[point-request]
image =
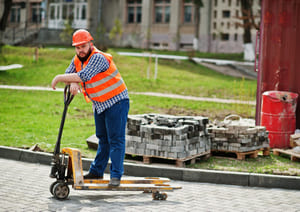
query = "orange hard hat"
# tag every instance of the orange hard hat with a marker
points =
(80, 37)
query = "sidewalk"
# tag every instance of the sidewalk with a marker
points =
(174, 96)
(25, 187)
(183, 174)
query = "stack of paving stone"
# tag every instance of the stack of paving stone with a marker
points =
(237, 137)
(167, 136)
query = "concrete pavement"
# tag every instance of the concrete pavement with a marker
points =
(173, 96)
(183, 174)
(25, 187)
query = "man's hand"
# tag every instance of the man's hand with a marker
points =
(54, 82)
(74, 88)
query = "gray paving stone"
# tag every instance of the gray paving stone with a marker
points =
(25, 187)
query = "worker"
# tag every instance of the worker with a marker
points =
(102, 84)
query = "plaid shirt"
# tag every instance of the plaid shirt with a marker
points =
(97, 64)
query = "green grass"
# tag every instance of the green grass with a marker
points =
(262, 164)
(181, 77)
(33, 117)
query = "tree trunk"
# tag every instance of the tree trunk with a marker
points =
(246, 7)
(197, 20)
(198, 4)
(6, 4)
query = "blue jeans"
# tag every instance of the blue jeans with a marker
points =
(110, 130)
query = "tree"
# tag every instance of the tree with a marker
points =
(66, 34)
(198, 4)
(116, 32)
(100, 37)
(248, 23)
(4, 12)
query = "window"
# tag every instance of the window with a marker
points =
(15, 15)
(162, 11)
(134, 11)
(139, 14)
(216, 3)
(235, 36)
(237, 3)
(226, 13)
(215, 14)
(215, 25)
(77, 12)
(228, 25)
(64, 12)
(83, 12)
(188, 11)
(224, 36)
(36, 12)
(68, 11)
(71, 10)
(36, 15)
(52, 12)
(80, 11)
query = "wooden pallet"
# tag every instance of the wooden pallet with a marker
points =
(243, 155)
(293, 156)
(179, 162)
(266, 151)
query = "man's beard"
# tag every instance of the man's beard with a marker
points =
(83, 59)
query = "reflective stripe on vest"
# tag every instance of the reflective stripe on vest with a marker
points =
(104, 85)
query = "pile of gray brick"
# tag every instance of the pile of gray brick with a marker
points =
(166, 136)
(238, 138)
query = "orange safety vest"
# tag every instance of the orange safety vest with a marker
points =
(104, 85)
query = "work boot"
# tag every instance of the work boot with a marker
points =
(114, 182)
(92, 176)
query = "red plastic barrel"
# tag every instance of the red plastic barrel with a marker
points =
(278, 116)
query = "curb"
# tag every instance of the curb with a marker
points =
(182, 174)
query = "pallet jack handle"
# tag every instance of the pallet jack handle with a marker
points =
(58, 169)
(68, 97)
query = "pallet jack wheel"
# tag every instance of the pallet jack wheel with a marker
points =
(52, 186)
(61, 191)
(164, 196)
(159, 196)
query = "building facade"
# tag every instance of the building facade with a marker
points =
(25, 19)
(226, 30)
(170, 24)
(154, 24)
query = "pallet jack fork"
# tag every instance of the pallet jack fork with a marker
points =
(67, 169)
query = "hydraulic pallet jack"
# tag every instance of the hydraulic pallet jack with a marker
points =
(67, 169)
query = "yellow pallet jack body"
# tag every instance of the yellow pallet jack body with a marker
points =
(67, 169)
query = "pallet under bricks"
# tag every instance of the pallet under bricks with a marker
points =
(165, 136)
(238, 138)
